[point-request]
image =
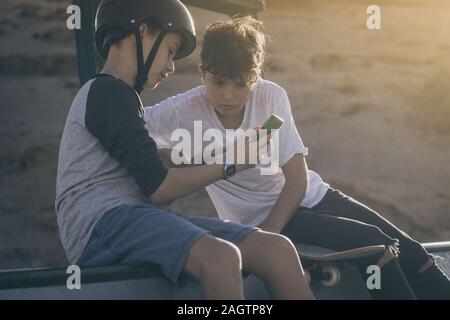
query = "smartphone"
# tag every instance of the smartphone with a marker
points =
(274, 122)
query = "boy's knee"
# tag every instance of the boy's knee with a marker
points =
(217, 258)
(225, 254)
(374, 236)
(278, 245)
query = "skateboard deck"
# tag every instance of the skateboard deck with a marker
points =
(313, 253)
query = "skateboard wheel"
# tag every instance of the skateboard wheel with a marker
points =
(333, 276)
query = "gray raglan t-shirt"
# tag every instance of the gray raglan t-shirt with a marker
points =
(106, 159)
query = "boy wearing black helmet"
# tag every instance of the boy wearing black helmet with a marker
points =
(111, 180)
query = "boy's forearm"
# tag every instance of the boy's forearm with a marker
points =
(166, 158)
(287, 203)
(180, 182)
(296, 184)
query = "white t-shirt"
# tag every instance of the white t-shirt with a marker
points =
(247, 197)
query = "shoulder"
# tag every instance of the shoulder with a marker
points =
(271, 97)
(106, 81)
(268, 89)
(111, 102)
(109, 89)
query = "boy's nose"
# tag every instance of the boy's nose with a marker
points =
(228, 92)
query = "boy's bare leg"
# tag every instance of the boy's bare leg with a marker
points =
(217, 265)
(274, 258)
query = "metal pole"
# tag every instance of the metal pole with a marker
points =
(88, 60)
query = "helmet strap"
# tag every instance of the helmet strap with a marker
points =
(144, 68)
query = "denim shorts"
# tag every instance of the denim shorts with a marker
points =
(146, 233)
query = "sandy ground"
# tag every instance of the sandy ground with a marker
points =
(372, 106)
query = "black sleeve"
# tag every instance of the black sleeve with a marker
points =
(114, 115)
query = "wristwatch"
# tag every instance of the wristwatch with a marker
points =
(229, 170)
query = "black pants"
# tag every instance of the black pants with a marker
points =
(339, 223)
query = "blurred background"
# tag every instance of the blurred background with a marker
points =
(372, 106)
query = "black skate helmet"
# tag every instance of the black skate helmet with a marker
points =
(116, 19)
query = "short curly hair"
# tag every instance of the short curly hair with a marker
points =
(234, 49)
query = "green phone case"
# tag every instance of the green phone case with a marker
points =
(274, 122)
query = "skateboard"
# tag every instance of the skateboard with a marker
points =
(327, 266)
